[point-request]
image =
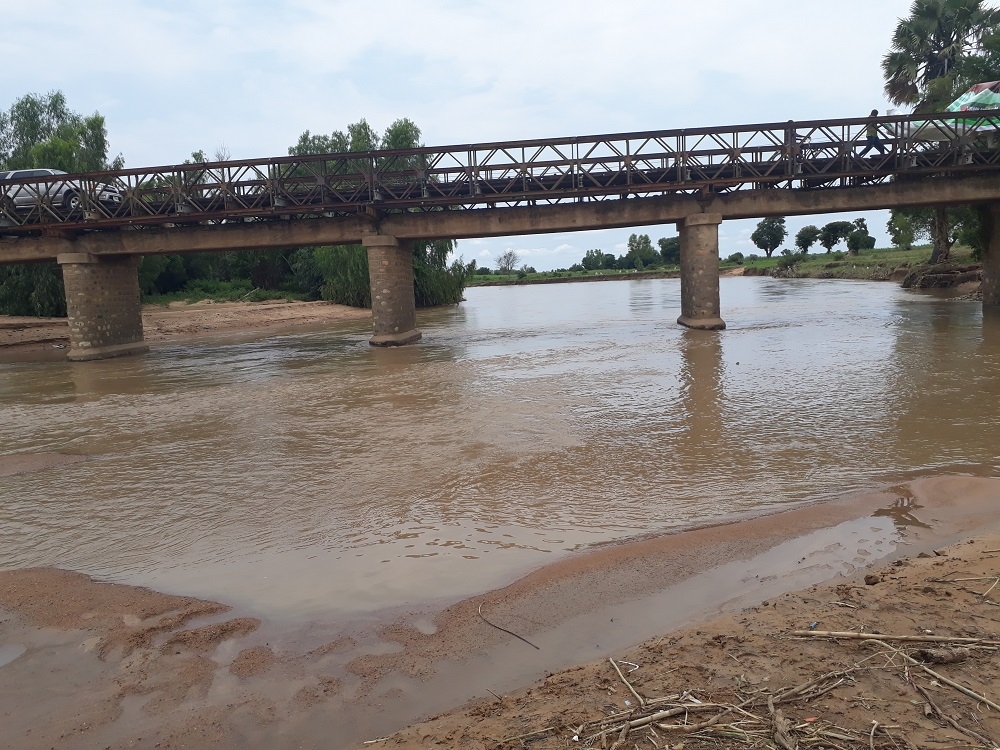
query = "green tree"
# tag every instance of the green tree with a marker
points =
(929, 47)
(806, 237)
(593, 260)
(42, 131)
(641, 252)
(859, 240)
(903, 229)
(834, 232)
(938, 50)
(769, 234)
(32, 289)
(670, 250)
(344, 269)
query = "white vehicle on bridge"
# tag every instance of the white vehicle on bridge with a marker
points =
(68, 196)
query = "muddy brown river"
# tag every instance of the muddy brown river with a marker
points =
(310, 475)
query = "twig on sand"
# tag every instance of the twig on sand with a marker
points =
(945, 717)
(940, 678)
(782, 727)
(883, 637)
(642, 701)
(529, 735)
(508, 632)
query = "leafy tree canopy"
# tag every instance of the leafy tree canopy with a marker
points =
(937, 49)
(834, 232)
(640, 251)
(670, 250)
(593, 260)
(42, 131)
(769, 234)
(806, 237)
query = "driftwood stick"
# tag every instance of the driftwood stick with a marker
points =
(790, 693)
(529, 735)
(697, 727)
(939, 677)
(942, 715)
(882, 637)
(508, 632)
(782, 735)
(642, 701)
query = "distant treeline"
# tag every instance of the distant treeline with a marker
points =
(41, 131)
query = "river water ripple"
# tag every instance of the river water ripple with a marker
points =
(311, 474)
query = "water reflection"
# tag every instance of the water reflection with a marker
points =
(701, 390)
(902, 509)
(311, 472)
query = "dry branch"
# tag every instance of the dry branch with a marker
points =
(642, 701)
(883, 637)
(939, 677)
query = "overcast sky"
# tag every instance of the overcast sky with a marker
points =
(251, 75)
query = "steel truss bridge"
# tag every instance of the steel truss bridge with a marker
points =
(697, 162)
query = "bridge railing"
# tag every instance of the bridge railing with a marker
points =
(782, 155)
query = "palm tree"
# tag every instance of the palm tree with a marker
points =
(928, 44)
(924, 64)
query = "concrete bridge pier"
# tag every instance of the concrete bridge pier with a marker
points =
(102, 301)
(989, 217)
(699, 234)
(394, 311)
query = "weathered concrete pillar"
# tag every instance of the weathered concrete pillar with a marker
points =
(102, 300)
(989, 218)
(390, 269)
(699, 235)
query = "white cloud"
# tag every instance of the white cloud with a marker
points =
(173, 78)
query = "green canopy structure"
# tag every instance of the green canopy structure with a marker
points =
(980, 96)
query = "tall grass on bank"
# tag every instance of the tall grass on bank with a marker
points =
(345, 272)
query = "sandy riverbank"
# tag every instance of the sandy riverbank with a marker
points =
(87, 664)
(179, 320)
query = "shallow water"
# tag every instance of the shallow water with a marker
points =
(312, 474)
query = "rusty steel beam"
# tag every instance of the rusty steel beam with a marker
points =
(329, 196)
(510, 221)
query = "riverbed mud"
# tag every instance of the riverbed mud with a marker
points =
(102, 665)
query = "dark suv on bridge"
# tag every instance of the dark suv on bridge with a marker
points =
(62, 194)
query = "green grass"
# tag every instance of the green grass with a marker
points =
(868, 264)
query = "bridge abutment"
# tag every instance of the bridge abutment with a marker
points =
(699, 235)
(102, 302)
(390, 271)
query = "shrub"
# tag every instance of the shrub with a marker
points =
(789, 259)
(735, 258)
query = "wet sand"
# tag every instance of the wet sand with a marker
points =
(89, 664)
(30, 338)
